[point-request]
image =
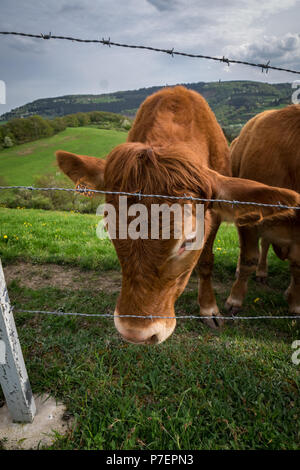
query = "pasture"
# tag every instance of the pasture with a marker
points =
(21, 164)
(236, 388)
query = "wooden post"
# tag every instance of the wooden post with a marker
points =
(13, 375)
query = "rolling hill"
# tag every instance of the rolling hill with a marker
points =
(234, 102)
(21, 164)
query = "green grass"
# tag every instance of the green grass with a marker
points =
(54, 237)
(21, 164)
(232, 389)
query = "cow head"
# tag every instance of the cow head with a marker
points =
(156, 270)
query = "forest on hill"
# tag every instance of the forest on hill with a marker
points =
(234, 102)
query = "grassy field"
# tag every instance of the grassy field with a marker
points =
(20, 165)
(231, 389)
(54, 237)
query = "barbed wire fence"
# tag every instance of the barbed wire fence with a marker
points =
(139, 195)
(172, 52)
(160, 196)
(154, 317)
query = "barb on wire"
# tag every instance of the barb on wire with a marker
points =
(109, 43)
(226, 60)
(265, 67)
(161, 196)
(152, 317)
(106, 42)
(46, 36)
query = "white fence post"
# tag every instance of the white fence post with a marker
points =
(13, 375)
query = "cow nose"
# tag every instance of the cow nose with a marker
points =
(152, 332)
(154, 339)
(140, 337)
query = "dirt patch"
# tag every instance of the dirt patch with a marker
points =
(217, 286)
(37, 276)
(26, 151)
(29, 150)
(68, 137)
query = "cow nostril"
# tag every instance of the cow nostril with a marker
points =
(152, 340)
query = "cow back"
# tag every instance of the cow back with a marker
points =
(267, 149)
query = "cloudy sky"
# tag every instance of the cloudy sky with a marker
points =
(254, 30)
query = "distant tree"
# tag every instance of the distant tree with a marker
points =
(8, 142)
(58, 124)
(83, 119)
(95, 116)
(71, 120)
(40, 127)
(126, 124)
(2, 135)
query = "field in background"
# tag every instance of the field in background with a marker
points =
(21, 164)
(231, 389)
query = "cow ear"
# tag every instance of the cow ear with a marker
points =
(84, 171)
(243, 190)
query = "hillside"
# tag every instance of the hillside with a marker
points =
(234, 102)
(21, 164)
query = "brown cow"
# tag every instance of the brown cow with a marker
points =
(267, 150)
(175, 147)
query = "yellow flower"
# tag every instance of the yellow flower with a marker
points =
(256, 300)
(4, 236)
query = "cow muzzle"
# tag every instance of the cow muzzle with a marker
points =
(144, 330)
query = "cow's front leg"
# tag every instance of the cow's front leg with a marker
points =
(293, 291)
(247, 264)
(262, 267)
(206, 296)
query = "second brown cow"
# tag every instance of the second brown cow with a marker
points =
(267, 150)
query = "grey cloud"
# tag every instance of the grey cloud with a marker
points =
(285, 49)
(35, 68)
(69, 9)
(25, 45)
(164, 5)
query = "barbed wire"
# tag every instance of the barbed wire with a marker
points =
(161, 196)
(153, 317)
(107, 42)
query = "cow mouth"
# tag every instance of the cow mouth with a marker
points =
(154, 339)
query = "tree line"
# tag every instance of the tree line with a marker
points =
(22, 130)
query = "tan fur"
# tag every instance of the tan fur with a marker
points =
(267, 150)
